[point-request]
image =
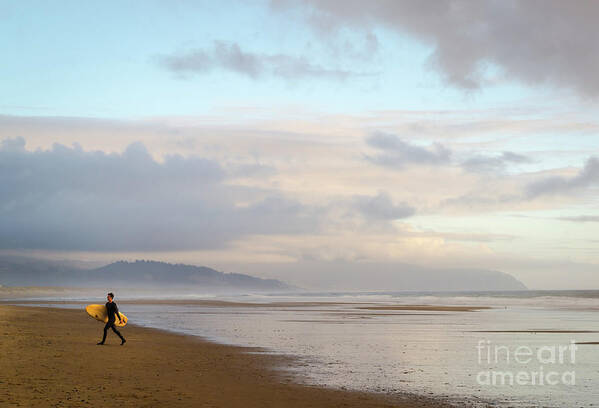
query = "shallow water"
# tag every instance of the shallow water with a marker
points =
(428, 352)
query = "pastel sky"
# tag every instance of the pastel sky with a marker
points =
(250, 136)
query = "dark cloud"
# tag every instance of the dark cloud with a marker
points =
(394, 152)
(381, 207)
(535, 41)
(232, 58)
(491, 164)
(66, 198)
(587, 176)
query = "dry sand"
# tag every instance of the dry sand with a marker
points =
(49, 358)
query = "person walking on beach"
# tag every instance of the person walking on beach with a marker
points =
(113, 313)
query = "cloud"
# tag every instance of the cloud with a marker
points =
(307, 166)
(581, 218)
(394, 152)
(381, 207)
(491, 164)
(586, 177)
(69, 199)
(490, 194)
(574, 218)
(232, 58)
(65, 198)
(483, 200)
(14, 145)
(535, 42)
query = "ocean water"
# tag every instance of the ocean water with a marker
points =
(522, 352)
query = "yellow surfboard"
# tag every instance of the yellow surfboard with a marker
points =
(99, 312)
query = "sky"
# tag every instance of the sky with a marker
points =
(257, 136)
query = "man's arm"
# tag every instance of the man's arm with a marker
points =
(116, 312)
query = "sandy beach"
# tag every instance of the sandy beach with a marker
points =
(49, 358)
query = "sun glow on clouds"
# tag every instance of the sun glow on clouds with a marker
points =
(335, 202)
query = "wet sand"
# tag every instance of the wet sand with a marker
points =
(431, 308)
(49, 358)
(281, 305)
(534, 331)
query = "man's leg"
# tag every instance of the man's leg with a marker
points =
(118, 333)
(105, 332)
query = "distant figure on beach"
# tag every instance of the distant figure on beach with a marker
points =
(113, 312)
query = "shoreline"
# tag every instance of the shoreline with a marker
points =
(50, 358)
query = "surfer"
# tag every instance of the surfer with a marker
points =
(113, 312)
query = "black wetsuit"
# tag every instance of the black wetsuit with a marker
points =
(113, 312)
